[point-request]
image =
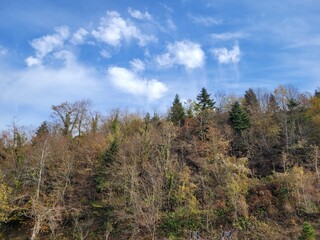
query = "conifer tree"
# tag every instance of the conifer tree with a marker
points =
(177, 113)
(112, 151)
(238, 118)
(204, 101)
(317, 93)
(251, 102)
(272, 104)
(43, 129)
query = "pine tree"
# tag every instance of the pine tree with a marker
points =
(204, 101)
(272, 104)
(112, 151)
(251, 102)
(177, 114)
(43, 129)
(238, 118)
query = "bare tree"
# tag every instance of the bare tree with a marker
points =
(72, 116)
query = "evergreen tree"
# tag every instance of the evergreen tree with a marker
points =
(317, 93)
(238, 118)
(251, 102)
(204, 101)
(112, 151)
(43, 129)
(292, 104)
(177, 113)
(308, 232)
(272, 104)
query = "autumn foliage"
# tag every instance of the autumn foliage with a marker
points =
(249, 167)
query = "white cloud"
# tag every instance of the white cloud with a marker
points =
(129, 82)
(171, 25)
(224, 55)
(206, 21)
(79, 36)
(113, 29)
(3, 51)
(137, 65)
(305, 42)
(167, 27)
(46, 44)
(63, 31)
(66, 55)
(40, 86)
(105, 54)
(32, 61)
(185, 53)
(228, 35)
(139, 15)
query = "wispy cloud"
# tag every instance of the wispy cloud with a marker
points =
(79, 36)
(105, 54)
(46, 44)
(3, 51)
(305, 42)
(113, 29)
(185, 53)
(225, 56)
(228, 36)
(30, 87)
(171, 25)
(137, 65)
(130, 82)
(66, 56)
(206, 21)
(139, 15)
(32, 61)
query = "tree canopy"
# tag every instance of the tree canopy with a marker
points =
(238, 118)
(204, 102)
(177, 113)
(86, 175)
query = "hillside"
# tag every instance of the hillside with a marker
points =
(248, 165)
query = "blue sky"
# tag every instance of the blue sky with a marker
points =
(137, 54)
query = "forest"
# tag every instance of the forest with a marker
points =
(215, 165)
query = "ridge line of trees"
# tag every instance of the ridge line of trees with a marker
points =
(247, 165)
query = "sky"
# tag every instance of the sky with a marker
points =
(137, 54)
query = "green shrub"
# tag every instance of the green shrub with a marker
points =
(308, 232)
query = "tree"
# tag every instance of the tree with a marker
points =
(71, 116)
(177, 113)
(308, 232)
(272, 104)
(238, 118)
(4, 200)
(204, 101)
(317, 93)
(251, 102)
(43, 129)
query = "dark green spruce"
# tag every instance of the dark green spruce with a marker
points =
(239, 118)
(177, 113)
(204, 102)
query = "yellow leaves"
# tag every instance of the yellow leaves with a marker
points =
(297, 171)
(314, 108)
(281, 90)
(237, 183)
(185, 193)
(4, 200)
